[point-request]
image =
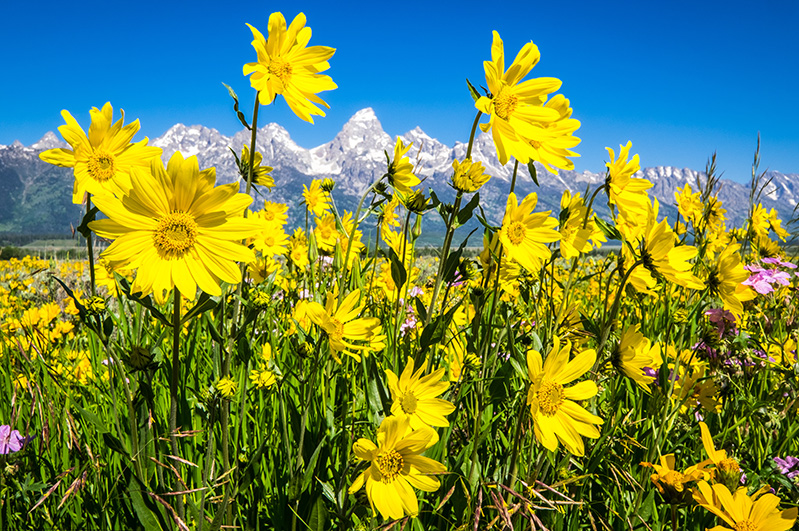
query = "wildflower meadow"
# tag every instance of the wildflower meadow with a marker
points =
(209, 366)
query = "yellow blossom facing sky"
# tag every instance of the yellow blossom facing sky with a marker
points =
(287, 66)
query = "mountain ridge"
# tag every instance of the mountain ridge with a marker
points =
(355, 159)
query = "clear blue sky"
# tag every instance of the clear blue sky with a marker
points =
(679, 78)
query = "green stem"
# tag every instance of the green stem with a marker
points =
(173, 390)
(90, 249)
(355, 223)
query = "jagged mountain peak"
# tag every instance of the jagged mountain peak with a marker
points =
(364, 115)
(49, 141)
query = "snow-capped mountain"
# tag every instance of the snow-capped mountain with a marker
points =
(355, 158)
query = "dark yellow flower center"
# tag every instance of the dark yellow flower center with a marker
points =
(505, 104)
(408, 403)
(336, 329)
(673, 479)
(746, 525)
(269, 240)
(516, 232)
(269, 215)
(729, 466)
(280, 69)
(175, 234)
(101, 165)
(550, 397)
(568, 232)
(390, 465)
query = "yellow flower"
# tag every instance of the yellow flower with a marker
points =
(515, 108)
(636, 357)
(326, 232)
(758, 222)
(724, 281)
(655, 246)
(261, 175)
(102, 161)
(274, 213)
(415, 395)
(396, 466)
(287, 66)
(524, 234)
(226, 387)
(670, 482)
(727, 470)
(574, 237)
(775, 223)
(468, 176)
(688, 204)
(400, 171)
(176, 229)
(315, 199)
(551, 145)
(741, 512)
(342, 324)
(624, 191)
(271, 241)
(556, 418)
(262, 378)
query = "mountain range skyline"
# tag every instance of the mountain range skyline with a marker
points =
(355, 159)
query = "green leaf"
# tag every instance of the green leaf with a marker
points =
(78, 304)
(87, 415)
(610, 231)
(83, 228)
(204, 303)
(240, 114)
(147, 301)
(115, 444)
(398, 273)
(473, 91)
(310, 466)
(318, 517)
(465, 213)
(421, 311)
(533, 172)
(213, 331)
(145, 513)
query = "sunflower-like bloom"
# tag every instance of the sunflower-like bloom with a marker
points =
(176, 229)
(727, 470)
(261, 174)
(524, 234)
(556, 418)
(516, 108)
(725, 280)
(689, 203)
(342, 324)
(396, 466)
(102, 161)
(624, 191)
(553, 142)
(415, 395)
(655, 246)
(287, 66)
(672, 484)
(759, 512)
(574, 232)
(468, 176)
(400, 170)
(316, 200)
(636, 357)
